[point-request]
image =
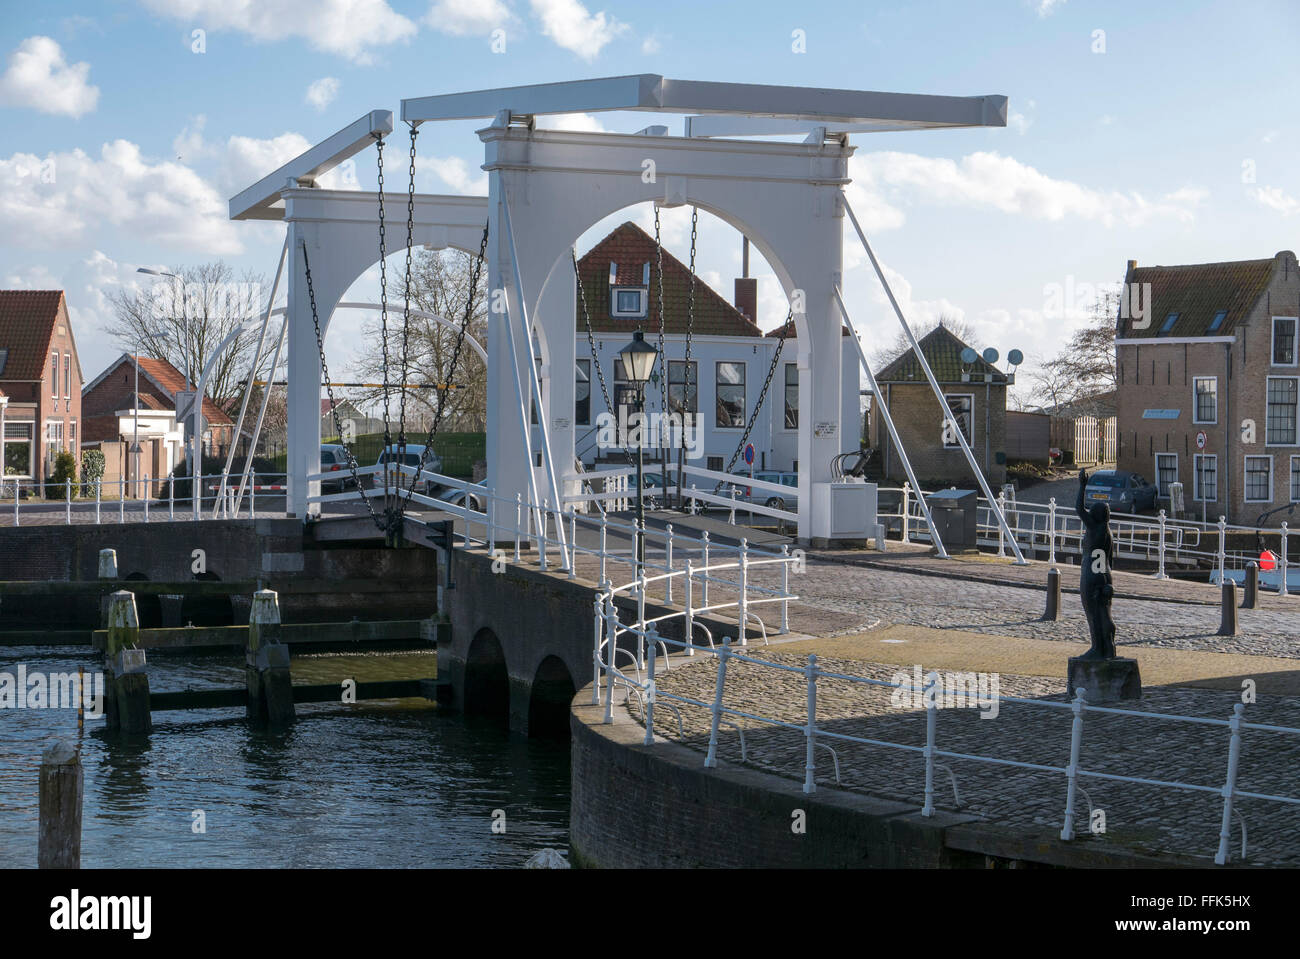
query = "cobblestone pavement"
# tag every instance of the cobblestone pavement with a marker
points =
(1147, 818)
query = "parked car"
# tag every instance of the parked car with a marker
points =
(334, 459)
(411, 457)
(785, 501)
(457, 497)
(1122, 490)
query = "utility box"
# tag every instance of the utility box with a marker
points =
(954, 514)
(850, 508)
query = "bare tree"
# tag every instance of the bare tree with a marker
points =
(184, 321)
(1076, 378)
(440, 283)
(900, 345)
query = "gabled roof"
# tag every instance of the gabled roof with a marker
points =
(942, 350)
(27, 320)
(1197, 292)
(630, 248)
(164, 377)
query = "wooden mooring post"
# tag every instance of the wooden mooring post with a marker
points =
(1250, 595)
(1228, 618)
(127, 708)
(62, 785)
(270, 687)
(107, 571)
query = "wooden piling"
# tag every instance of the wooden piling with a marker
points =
(107, 571)
(62, 783)
(1228, 622)
(127, 684)
(266, 664)
(1250, 595)
(1053, 611)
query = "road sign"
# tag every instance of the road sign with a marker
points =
(1200, 439)
(749, 454)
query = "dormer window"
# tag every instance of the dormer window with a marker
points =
(1217, 321)
(628, 301)
(1168, 324)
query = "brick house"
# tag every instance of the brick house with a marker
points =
(976, 396)
(40, 378)
(730, 356)
(1217, 355)
(109, 406)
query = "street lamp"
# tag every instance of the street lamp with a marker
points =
(196, 406)
(638, 362)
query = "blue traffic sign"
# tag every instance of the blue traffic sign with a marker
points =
(749, 454)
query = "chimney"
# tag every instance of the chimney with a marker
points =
(747, 297)
(1132, 265)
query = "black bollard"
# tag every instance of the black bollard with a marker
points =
(1053, 611)
(1250, 595)
(1228, 624)
(62, 785)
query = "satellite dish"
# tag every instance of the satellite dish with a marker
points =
(1015, 357)
(968, 356)
(990, 355)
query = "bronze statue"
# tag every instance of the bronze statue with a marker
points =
(1095, 585)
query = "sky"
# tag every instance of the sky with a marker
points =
(1156, 131)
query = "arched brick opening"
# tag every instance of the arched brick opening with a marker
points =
(207, 610)
(487, 682)
(548, 705)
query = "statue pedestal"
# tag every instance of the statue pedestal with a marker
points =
(1105, 680)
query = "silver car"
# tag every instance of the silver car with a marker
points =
(784, 501)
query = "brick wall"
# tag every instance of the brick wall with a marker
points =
(1156, 375)
(919, 419)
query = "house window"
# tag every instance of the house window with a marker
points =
(1217, 322)
(627, 301)
(791, 396)
(730, 395)
(713, 463)
(67, 375)
(1284, 341)
(683, 388)
(1206, 479)
(1205, 391)
(1295, 479)
(18, 448)
(1166, 472)
(4, 358)
(1280, 423)
(582, 394)
(1168, 324)
(960, 406)
(1259, 479)
(54, 375)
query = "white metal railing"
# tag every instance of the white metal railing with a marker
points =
(649, 693)
(144, 499)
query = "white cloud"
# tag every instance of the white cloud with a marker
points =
(580, 122)
(1047, 7)
(189, 145)
(349, 28)
(468, 17)
(1269, 137)
(165, 201)
(40, 78)
(651, 45)
(321, 93)
(1277, 199)
(572, 26)
(456, 173)
(990, 180)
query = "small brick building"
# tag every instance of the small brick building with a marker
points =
(976, 395)
(1214, 351)
(40, 378)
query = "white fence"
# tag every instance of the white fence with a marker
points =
(608, 629)
(121, 501)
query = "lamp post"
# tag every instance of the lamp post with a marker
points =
(638, 362)
(196, 406)
(135, 438)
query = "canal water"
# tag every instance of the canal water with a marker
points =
(376, 784)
